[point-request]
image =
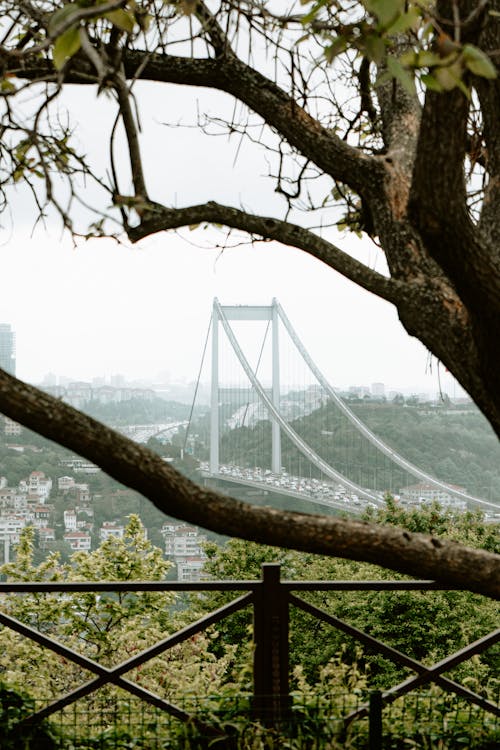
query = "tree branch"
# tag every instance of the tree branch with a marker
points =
(227, 73)
(450, 236)
(159, 218)
(142, 470)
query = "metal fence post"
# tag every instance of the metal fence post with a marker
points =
(271, 699)
(375, 721)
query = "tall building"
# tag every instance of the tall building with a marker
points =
(7, 348)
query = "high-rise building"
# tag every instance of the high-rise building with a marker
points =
(7, 348)
(378, 390)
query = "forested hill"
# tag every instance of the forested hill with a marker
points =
(454, 444)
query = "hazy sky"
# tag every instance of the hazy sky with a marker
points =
(141, 310)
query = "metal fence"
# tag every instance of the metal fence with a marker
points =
(270, 705)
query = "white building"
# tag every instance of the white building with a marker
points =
(378, 390)
(415, 494)
(65, 483)
(79, 541)
(190, 569)
(70, 520)
(11, 527)
(11, 428)
(40, 515)
(183, 544)
(182, 541)
(37, 484)
(111, 529)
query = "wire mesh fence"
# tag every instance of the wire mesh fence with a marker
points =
(424, 719)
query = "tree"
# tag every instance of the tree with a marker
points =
(106, 627)
(392, 105)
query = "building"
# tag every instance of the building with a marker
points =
(184, 546)
(79, 541)
(378, 390)
(415, 494)
(190, 569)
(82, 494)
(11, 527)
(79, 465)
(182, 541)
(46, 536)
(11, 428)
(70, 520)
(36, 485)
(40, 516)
(65, 483)
(111, 529)
(7, 348)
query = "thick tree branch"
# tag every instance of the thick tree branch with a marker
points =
(227, 73)
(489, 98)
(159, 218)
(450, 236)
(142, 470)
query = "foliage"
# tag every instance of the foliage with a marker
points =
(331, 675)
(109, 628)
(425, 625)
(14, 706)
(432, 53)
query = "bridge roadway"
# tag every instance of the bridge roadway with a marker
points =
(319, 492)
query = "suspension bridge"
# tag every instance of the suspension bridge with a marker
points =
(277, 424)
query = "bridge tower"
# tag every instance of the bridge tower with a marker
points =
(244, 312)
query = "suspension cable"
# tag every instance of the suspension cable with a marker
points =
(197, 384)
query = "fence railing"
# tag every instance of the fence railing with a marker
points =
(271, 600)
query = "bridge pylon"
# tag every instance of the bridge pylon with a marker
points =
(267, 313)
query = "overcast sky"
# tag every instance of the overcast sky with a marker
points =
(142, 310)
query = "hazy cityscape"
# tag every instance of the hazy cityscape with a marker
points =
(64, 496)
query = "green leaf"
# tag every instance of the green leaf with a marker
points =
(405, 21)
(65, 47)
(374, 47)
(420, 59)
(431, 82)
(386, 11)
(335, 48)
(478, 62)
(7, 86)
(122, 19)
(313, 12)
(61, 15)
(449, 76)
(398, 72)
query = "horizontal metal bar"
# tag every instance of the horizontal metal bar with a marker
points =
(411, 585)
(53, 586)
(247, 312)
